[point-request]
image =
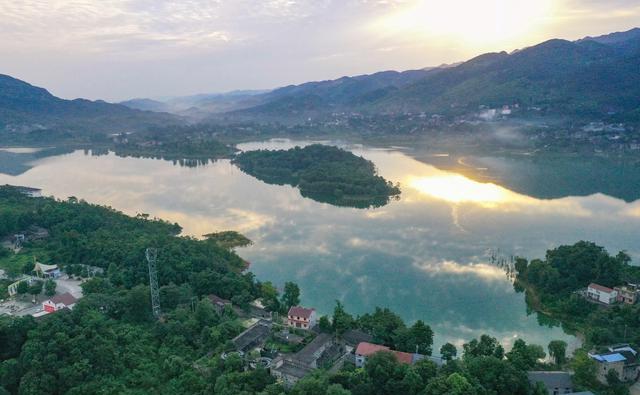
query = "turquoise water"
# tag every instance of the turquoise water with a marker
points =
(427, 256)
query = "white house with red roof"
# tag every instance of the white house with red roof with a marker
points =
(366, 349)
(602, 294)
(302, 318)
(59, 302)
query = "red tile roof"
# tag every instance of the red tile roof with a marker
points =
(297, 311)
(66, 299)
(600, 288)
(367, 349)
(404, 357)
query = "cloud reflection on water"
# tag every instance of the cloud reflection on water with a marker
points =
(425, 256)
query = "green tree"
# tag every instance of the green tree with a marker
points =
(35, 288)
(525, 356)
(454, 384)
(50, 287)
(486, 346)
(448, 351)
(540, 389)
(324, 324)
(421, 337)
(584, 370)
(342, 321)
(269, 295)
(521, 266)
(22, 288)
(291, 295)
(558, 350)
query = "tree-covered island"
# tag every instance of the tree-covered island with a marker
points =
(557, 285)
(323, 173)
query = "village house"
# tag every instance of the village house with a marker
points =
(365, 350)
(556, 383)
(320, 352)
(622, 359)
(59, 302)
(601, 294)
(627, 294)
(219, 303)
(253, 337)
(302, 318)
(47, 271)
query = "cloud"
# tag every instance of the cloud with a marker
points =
(106, 48)
(482, 270)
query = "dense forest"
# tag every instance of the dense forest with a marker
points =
(173, 148)
(552, 286)
(323, 173)
(111, 344)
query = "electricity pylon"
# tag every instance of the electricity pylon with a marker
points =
(152, 255)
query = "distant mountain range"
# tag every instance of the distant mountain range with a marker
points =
(591, 77)
(200, 106)
(26, 108)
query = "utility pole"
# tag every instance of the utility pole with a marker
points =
(152, 255)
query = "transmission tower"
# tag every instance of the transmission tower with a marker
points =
(152, 255)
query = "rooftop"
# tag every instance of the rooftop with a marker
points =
(404, 357)
(297, 311)
(291, 369)
(255, 334)
(600, 288)
(66, 299)
(355, 336)
(310, 352)
(551, 380)
(609, 357)
(367, 349)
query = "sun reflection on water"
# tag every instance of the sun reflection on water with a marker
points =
(458, 189)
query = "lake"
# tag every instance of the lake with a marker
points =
(429, 255)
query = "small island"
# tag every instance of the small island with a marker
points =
(323, 173)
(190, 151)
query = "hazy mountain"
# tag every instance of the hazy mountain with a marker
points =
(313, 98)
(201, 105)
(592, 76)
(24, 107)
(146, 105)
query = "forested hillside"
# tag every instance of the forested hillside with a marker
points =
(323, 173)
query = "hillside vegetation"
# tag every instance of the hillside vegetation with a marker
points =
(323, 173)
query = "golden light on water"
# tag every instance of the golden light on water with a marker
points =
(473, 21)
(455, 188)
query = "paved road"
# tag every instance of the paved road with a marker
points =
(635, 389)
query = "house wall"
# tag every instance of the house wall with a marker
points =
(603, 297)
(360, 360)
(605, 367)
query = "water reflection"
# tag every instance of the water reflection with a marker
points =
(428, 256)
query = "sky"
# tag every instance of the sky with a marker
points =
(120, 49)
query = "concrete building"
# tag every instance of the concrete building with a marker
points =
(622, 359)
(320, 352)
(556, 383)
(47, 271)
(601, 294)
(365, 350)
(253, 337)
(59, 302)
(219, 303)
(302, 318)
(628, 294)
